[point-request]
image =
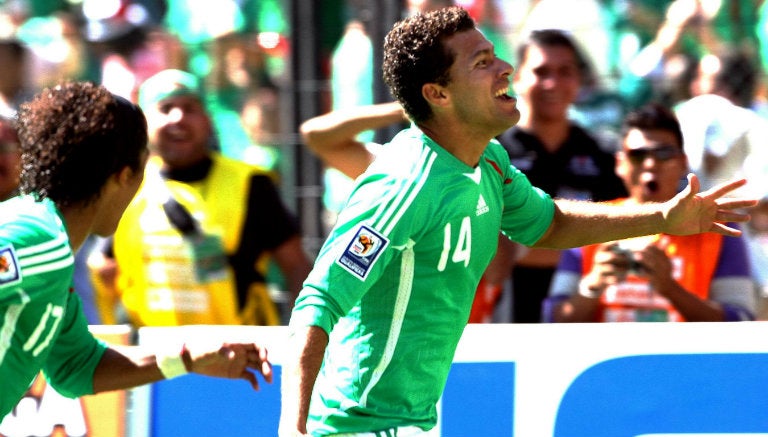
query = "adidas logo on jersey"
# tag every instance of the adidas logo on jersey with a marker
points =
(482, 207)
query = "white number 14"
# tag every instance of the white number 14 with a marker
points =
(463, 248)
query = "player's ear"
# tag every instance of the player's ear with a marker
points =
(128, 175)
(115, 181)
(435, 94)
(124, 175)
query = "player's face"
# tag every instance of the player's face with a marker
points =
(651, 164)
(548, 81)
(479, 84)
(179, 130)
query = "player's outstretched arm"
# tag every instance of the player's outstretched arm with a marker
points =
(578, 223)
(124, 367)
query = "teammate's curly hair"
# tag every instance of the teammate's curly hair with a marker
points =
(73, 137)
(415, 54)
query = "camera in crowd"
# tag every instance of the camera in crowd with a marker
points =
(634, 266)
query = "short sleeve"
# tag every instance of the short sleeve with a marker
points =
(75, 354)
(528, 211)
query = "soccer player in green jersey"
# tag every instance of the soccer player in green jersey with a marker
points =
(83, 156)
(377, 322)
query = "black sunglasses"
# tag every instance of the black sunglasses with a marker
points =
(662, 153)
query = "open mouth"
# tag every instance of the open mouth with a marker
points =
(503, 94)
(176, 134)
(651, 186)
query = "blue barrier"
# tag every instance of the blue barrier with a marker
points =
(671, 394)
(576, 380)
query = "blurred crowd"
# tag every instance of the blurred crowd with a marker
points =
(636, 51)
(238, 49)
(705, 59)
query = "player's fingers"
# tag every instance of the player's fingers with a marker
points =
(265, 365)
(251, 378)
(692, 187)
(736, 203)
(723, 229)
(721, 190)
(266, 371)
(732, 216)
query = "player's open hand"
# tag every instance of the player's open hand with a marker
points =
(230, 360)
(691, 212)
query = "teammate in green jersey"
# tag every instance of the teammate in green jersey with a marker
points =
(83, 157)
(375, 327)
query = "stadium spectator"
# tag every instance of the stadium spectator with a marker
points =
(555, 153)
(724, 137)
(260, 116)
(703, 277)
(584, 21)
(661, 70)
(10, 159)
(195, 244)
(14, 81)
(396, 278)
(83, 152)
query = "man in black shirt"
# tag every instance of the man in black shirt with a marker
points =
(557, 155)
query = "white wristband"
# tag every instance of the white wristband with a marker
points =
(172, 365)
(587, 292)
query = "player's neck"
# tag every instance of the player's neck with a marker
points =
(78, 221)
(466, 146)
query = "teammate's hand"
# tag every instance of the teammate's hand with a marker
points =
(229, 360)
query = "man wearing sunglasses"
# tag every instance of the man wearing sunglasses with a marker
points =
(701, 277)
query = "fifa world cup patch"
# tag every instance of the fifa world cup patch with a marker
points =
(9, 266)
(362, 252)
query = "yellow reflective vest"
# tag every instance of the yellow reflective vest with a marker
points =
(159, 280)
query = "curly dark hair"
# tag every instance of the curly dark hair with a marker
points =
(73, 137)
(415, 54)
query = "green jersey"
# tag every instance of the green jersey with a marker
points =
(395, 281)
(42, 326)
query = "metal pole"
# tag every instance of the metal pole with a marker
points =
(385, 13)
(305, 86)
